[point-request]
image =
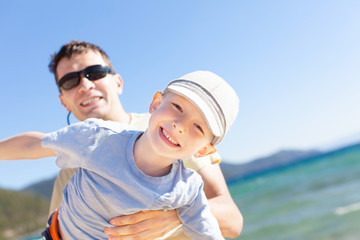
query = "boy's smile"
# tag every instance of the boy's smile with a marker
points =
(166, 135)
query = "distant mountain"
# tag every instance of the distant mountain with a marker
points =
(280, 159)
(21, 213)
(43, 188)
(233, 172)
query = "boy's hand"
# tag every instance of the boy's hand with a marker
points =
(145, 225)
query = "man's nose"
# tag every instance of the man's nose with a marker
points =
(85, 84)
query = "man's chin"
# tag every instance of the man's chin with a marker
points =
(93, 114)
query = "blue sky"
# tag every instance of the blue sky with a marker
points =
(294, 64)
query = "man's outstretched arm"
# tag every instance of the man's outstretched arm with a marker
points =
(221, 203)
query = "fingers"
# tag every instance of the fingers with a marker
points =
(144, 225)
(144, 235)
(135, 218)
(145, 230)
(130, 229)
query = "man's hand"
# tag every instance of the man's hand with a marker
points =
(144, 225)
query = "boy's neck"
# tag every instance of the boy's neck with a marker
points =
(148, 161)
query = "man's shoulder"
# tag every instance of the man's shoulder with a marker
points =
(199, 163)
(139, 120)
(110, 125)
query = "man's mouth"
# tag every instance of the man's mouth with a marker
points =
(169, 138)
(89, 101)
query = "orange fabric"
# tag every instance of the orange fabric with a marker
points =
(54, 226)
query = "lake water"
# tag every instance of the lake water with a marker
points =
(316, 200)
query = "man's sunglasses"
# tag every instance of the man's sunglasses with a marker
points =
(92, 73)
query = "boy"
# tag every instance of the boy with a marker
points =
(123, 170)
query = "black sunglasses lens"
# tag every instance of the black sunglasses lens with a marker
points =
(69, 81)
(95, 74)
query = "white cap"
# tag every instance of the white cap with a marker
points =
(215, 98)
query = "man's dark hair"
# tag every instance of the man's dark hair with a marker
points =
(73, 48)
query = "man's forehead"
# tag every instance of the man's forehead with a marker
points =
(78, 62)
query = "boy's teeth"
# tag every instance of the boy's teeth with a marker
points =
(90, 101)
(169, 138)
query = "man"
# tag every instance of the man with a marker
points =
(92, 95)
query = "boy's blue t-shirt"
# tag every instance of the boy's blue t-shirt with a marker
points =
(109, 183)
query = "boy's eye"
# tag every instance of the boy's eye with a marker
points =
(178, 107)
(199, 127)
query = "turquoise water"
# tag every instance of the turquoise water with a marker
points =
(317, 200)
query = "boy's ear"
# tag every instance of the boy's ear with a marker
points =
(63, 103)
(158, 97)
(208, 149)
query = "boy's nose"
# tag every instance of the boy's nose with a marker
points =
(178, 127)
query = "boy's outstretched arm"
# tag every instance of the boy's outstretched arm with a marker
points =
(24, 146)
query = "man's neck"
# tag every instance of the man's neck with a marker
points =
(119, 116)
(123, 118)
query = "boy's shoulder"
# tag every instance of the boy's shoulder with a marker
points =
(187, 185)
(188, 174)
